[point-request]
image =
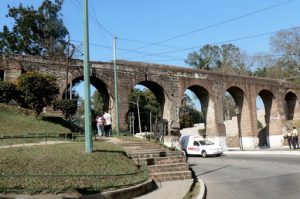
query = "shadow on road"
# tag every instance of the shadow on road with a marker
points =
(213, 170)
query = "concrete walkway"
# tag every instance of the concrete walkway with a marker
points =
(34, 144)
(170, 190)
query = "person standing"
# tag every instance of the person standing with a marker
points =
(107, 125)
(295, 138)
(289, 138)
(100, 122)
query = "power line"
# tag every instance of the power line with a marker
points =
(150, 43)
(125, 50)
(100, 25)
(217, 24)
(147, 54)
(216, 43)
(77, 4)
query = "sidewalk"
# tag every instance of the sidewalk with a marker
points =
(170, 190)
(283, 151)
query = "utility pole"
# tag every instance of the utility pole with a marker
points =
(139, 116)
(87, 95)
(150, 122)
(116, 87)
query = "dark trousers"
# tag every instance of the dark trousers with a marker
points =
(107, 130)
(290, 141)
(295, 142)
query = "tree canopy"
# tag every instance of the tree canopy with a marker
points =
(227, 58)
(188, 114)
(97, 103)
(38, 31)
(284, 60)
(38, 90)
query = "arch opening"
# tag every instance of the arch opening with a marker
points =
(193, 111)
(146, 107)
(100, 98)
(290, 101)
(233, 117)
(263, 134)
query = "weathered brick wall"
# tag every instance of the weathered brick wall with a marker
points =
(169, 83)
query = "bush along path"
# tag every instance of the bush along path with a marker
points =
(162, 164)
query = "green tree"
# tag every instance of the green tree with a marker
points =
(36, 32)
(97, 103)
(188, 114)
(38, 90)
(67, 106)
(208, 57)
(147, 104)
(226, 58)
(8, 92)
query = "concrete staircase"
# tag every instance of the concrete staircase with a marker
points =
(162, 164)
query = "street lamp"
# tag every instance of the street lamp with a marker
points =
(238, 112)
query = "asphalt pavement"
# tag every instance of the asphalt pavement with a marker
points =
(266, 173)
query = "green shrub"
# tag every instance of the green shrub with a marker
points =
(8, 92)
(38, 90)
(67, 106)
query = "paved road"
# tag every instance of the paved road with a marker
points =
(249, 176)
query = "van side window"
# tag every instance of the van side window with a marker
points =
(196, 143)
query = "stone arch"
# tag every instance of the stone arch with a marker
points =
(271, 135)
(291, 105)
(263, 135)
(242, 110)
(101, 87)
(161, 97)
(203, 95)
(158, 91)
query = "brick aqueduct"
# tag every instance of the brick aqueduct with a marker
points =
(281, 99)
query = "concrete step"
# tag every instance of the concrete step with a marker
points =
(168, 167)
(139, 150)
(138, 144)
(160, 160)
(151, 154)
(174, 175)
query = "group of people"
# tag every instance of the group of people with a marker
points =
(292, 137)
(104, 124)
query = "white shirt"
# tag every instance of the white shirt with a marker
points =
(107, 118)
(295, 132)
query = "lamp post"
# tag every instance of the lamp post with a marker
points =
(238, 112)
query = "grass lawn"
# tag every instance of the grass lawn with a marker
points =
(18, 121)
(66, 167)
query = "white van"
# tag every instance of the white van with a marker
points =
(194, 145)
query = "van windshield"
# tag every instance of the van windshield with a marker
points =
(206, 142)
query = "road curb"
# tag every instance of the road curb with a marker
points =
(263, 152)
(125, 193)
(202, 192)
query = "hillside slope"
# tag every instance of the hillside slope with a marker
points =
(18, 121)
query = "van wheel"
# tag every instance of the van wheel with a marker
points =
(204, 154)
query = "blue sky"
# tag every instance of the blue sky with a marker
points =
(172, 25)
(137, 22)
